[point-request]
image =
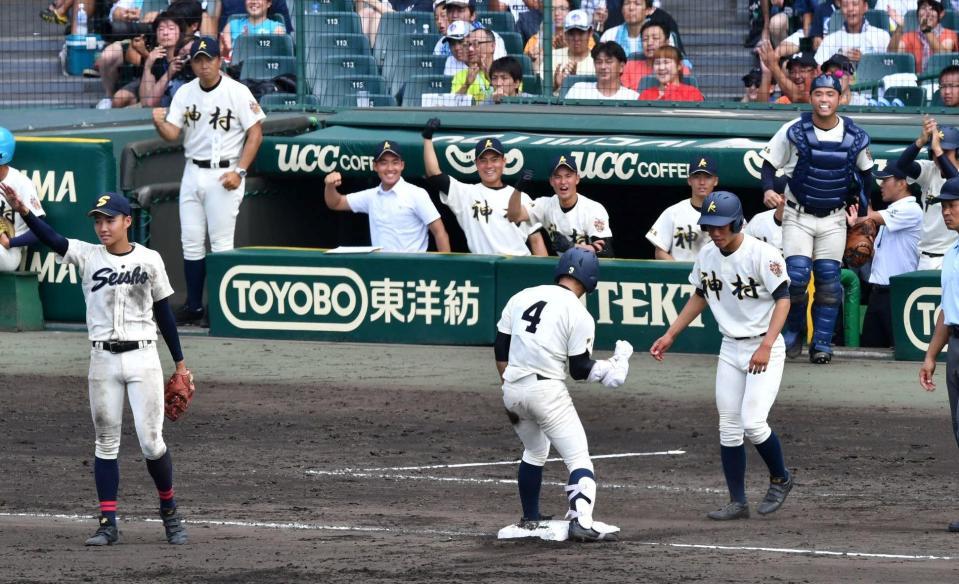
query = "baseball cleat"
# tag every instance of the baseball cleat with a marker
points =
(173, 525)
(579, 533)
(775, 496)
(954, 527)
(107, 534)
(531, 524)
(795, 349)
(733, 510)
(186, 315)
(819, 357)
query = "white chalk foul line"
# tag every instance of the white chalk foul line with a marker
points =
(510, 462)
(799, 551)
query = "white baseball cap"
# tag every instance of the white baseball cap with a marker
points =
(438, 3)
(457, 30)
(577, 19)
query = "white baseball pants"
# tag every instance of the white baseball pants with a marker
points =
(10, 259)
(928, 263)
(206, 207)
(819, 238)
(744, 399)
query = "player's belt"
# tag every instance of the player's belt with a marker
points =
(542, 378)
(120, 346)
(747, 338)
(209, 164)
(813, 212)
(932, 255)
(954, 330)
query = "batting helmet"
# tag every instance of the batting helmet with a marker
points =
(7, 146)
(722, 208)
(579, 264)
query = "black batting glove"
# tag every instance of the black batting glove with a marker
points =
(525, 178)
(432, 125)
(560, 242)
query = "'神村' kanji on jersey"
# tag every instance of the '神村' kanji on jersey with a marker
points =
(677, 231)
(481, 213)
(585, 221)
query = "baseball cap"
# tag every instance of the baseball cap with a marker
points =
(438, 3)
(457, 31)
(386, 147)
(935, 4)
(565, 159)
(577, 19)
(470, 3)
(948, 137)
(754, 77)
(205, 45)
(485, 144)
(826, 82)
(841, 61)
(111, 205)
(805, 59)
(702, 164)
(891, 170)
(949, 191)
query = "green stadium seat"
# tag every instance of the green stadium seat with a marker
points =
(875, 66)
(417, 85)
(499, 21)
(334, 65)
(288, 100)
(532, 84)
(572, 80)
(332, 22)
(938, 62)
(526, 62)
(876, 18)
(397, 47)
(320, 6)
(323, 45)
(910, 22)
(936, 100)
(272, 45)
(950, 20)
(410, 65)
(382, 100)
(341, 90)
(513, 42)
(154, 6)
(267, 67)
(910, 96)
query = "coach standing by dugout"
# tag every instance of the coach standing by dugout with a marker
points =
(221, 125)
(947, 325)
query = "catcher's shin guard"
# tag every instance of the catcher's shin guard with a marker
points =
(798, 268)
(581, 492)
(826, 305)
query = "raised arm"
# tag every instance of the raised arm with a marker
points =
(42, 230)
(334, 200)
(515, 211)
(430, 162)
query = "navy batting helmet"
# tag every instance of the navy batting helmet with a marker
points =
(7, 146)
(722, 208)
(579, 264)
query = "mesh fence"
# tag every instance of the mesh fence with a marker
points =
(412, 53)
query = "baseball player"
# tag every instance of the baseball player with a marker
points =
(126, 290)
(768, 226)
(14, 233)
(569, 217)
(744, 283)
(947, 323)
(400, 213)
(936, 238)
(675, 233)
(221, 125)
(826, 160)
(480, 209)
(540, 329)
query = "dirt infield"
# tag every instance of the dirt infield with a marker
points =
(306, 462)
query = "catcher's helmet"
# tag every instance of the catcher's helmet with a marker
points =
(7, 146)
(579, 264)
(722, 208)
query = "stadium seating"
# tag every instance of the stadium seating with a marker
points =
(532, 84)
(323, 45)
(417, 85)
(499, 21)
(936, 100)
(319, 6)
(513, 42)
(572, 80)
(410, 65)
(938, 62)
(875, 66)
(267, 67)
(333, 65)
(526, 62)
(341, 90)
(279, 45)
(288, 99)
(950, 20)
(651, 81)
(401, 46)
(910, 96)
(332, 22)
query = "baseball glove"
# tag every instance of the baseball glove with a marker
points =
(859, 243)
(6, 226)
(178, 394)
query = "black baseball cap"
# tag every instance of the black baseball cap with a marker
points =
(565, 159)
(754, 77)
(204, 45)
(949, 191)
(386, 147)
(891, 170)
(841, 61)
(804, 58)
(111, 205)
(485, 144)
(702, 164)
(948, 137)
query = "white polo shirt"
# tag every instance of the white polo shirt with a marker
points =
(897, 245)
(398, 217)
(868, 40)
(950, 286)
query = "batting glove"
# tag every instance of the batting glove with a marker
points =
(432, 125)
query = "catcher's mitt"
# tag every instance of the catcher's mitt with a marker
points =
(178, 394)
(859, 243)
(6, 226)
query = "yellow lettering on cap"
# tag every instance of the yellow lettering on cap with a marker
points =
(103, 200)
(202, 45)
(489, 144)
(702, 163)
(712, 207)
(562, 160)
(941, 134)
(386, 146)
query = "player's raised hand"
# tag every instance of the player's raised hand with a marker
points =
(334, 179)
(432, 125)
(13, 199)
(925, 375)
(159, 115)
(659, 348)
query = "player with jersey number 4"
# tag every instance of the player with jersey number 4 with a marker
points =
(743, 282)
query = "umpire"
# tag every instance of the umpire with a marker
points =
(947, 325)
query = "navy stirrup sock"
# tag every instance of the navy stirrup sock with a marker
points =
(734, 467)
(530, 479)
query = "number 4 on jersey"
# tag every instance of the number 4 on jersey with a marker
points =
(531, 315)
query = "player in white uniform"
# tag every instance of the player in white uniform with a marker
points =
(767, 226)
(930, 175)
(14, 233)
(540, 328)
(568, 217)
(221, 125)
(480, 209)
(125, 287)
(675, 234)
(744, 283)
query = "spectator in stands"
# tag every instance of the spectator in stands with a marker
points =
(126, 19)
(514, 7)
(667, 66)
(820, 21)
(254, 22)
(164, 72)
(856, 38)
(676, 234)
(753, 82)
(229, 8)
(400, 213)
(801, 69)
(439, 16)
(841, 67)
(166, 35)
(931, 38)
(128, 52)
(628, 34)
(654, 36)
(608, 61)
(598, 12)
(534, 50)
(191, 16)
(949, 86)
(56, 12)
(466, 10)
(456, 34)
(474, 80)
(777, 15)
(506, 77)
(574, 58)
(656, 14)
(371, 11)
